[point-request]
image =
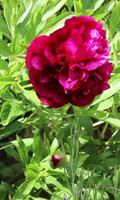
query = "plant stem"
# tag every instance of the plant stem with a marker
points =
(104, 130)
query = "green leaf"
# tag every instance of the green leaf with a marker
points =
(37, 146)
(7, 171)
(17, 46)
(10, 129)
(55, 23)
(3, 27)
(97, 114)
(31, 96)
(113, 121)
(3, 191)
(36, 19)
(10, 110)
(27, 141)
(69, 4)
(104, 155)
(103, 10)
(3, 65)
(86, 123)
(116, 178)
(12, 152)
(24, 189)
(52, 8)
(4, 49)
(53, 181)
(116, 43)
(6, 94)
(115, 19)
(114, 88)
(25, 13)
(22, 151)
(97, 194)
(93, 4)
(110, 163)
(7, 8)
(24, 2)
(39, 6)
(37, 198)
(32, 171)
(78, 6)
(4, 80)
(97, 4)
(106, 104)
(54, 146)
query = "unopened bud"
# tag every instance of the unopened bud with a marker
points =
(57, 160)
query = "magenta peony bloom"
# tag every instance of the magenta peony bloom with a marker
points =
(71, 64)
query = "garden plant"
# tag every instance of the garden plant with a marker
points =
(59, 99)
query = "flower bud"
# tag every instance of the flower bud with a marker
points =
(57, 160)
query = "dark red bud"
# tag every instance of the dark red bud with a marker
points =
(57, 160)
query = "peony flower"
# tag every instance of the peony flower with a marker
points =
(71, 64)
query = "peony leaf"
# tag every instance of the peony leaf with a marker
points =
(4, 49)
(115, 19)
(54, 146)
(3, 191)
(22, 149)
(3, 65)
(31, 96)
(7, 12)
(97, 4)
(27, 141)
(24, 189)
(113, 121)
(55, 23)
(114, 87)
(26, 13)
(93, 4)
(37, 145)
(10, 110)
(4, 81)
(108, 103)
(103, 10)
(53, 181)
(3, 27)
(52, 8)
(10, 129)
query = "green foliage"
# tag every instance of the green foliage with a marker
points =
(4, 49)
(30, 133)
(22, 151)
(115, 19)
(10, 110)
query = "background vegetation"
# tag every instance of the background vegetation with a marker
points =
(30, 133)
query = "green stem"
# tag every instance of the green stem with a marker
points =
(74, 155)
(104, 130)
(21, 56)
(115, 55)
(74, 3)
